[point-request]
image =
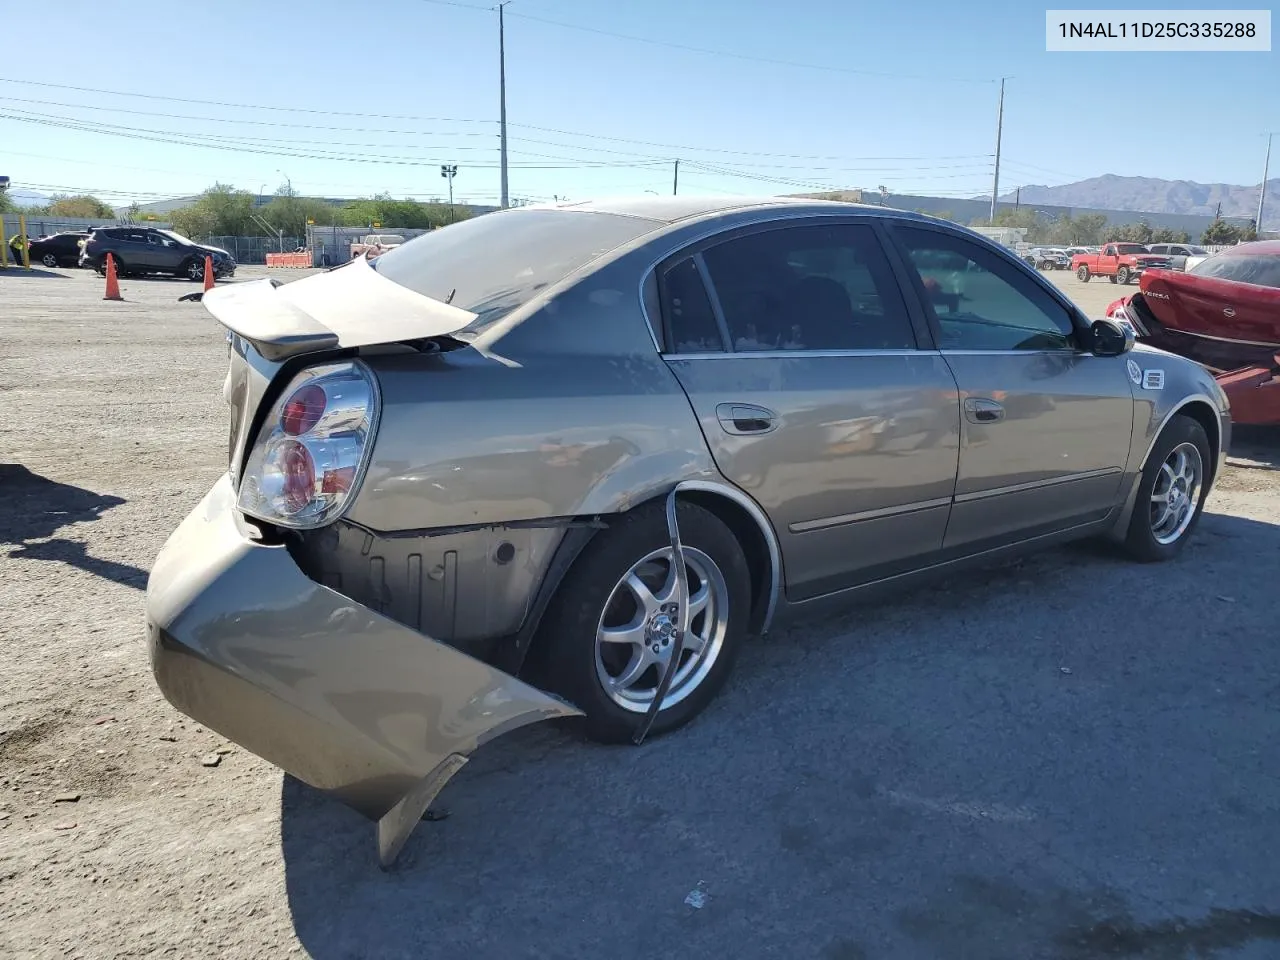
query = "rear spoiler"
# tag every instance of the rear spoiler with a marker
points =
(352, 307)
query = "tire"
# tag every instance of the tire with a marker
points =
(1112, 278)
(1082, 274)
(1122, 276)
(1153, 536)
(49, 260)
(593, 595)
(193, 269)
(121, 270)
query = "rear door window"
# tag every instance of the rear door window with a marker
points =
(809, 287)
(686, 309)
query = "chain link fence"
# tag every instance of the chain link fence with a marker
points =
(253, 249)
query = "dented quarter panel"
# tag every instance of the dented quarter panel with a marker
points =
(569, 412)
(341, 697)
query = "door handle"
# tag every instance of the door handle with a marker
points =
(745, 418)
(982, 410)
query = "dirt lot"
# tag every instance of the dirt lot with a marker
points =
(1068, 757)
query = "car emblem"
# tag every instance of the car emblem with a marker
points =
(1228, 311)
(1135, 373)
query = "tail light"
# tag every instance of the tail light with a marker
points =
(313, 447)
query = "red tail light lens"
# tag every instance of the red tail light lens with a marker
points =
(309, 457)
(303, 410)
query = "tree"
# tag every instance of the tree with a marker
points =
(392, 213)
(1220, 232)
(1139, 232)
(64, 205)
(1169, 235)
(290, 213)
(6, 203)
(221, 211)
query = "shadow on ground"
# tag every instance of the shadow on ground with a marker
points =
(1066, 757)
(1257, 445)
(33, 509)
(35, 273)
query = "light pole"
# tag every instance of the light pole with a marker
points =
(288, 189)
(1262, 191)
(449, 171)
(502, 104)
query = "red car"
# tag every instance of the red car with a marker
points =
(1223, 313)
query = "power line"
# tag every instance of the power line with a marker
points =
(750, 58)
(683, 148)
(267, 150)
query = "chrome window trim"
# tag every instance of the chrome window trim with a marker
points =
(823, 523)
(761, 521)
(799, 354)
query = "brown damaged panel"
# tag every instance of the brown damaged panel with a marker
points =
(336, 694)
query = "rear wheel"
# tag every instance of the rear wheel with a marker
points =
(121, 269)
(1082, 274)
(1171, 493)
(49, 260)
(608, 633)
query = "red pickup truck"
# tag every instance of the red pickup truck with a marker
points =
(1119, 262)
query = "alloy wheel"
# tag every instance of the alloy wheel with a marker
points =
(1176, 493)
(635, 636)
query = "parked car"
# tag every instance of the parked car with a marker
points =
(1118, 262)
(55, 250)
(148, 250)
(1179, 253)
(1224, 313)
(374, 244)
(1048, 258)
(560, 461)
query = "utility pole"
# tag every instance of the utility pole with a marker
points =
(1017, 199)
(502, 101)
(995, 185)
(1262, 192)
(675, 180)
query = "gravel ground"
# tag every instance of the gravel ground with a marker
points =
(1067, 757)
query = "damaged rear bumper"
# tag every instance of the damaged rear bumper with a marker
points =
(337, 695)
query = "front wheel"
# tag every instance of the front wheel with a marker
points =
(1082, 274)
(608, 633)
(194, 270)
(1171, 493)
(1122, 275)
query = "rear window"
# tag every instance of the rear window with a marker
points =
(1261, 271)
(496, 262)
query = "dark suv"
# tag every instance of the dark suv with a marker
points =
(142, 250)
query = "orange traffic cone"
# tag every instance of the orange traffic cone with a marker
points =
(113, 283)
(208, 272)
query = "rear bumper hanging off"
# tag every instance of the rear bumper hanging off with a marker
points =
(339, 696)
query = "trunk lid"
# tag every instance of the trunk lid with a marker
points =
(269, 323)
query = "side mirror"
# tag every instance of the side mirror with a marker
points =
(1110, 339)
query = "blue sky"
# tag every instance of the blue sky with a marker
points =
(374, 96)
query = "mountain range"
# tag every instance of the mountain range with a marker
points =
(1153, 195)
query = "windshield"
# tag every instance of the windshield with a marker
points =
(1260, 271)
(496, 262)
(175, 236)
(1124, 248)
